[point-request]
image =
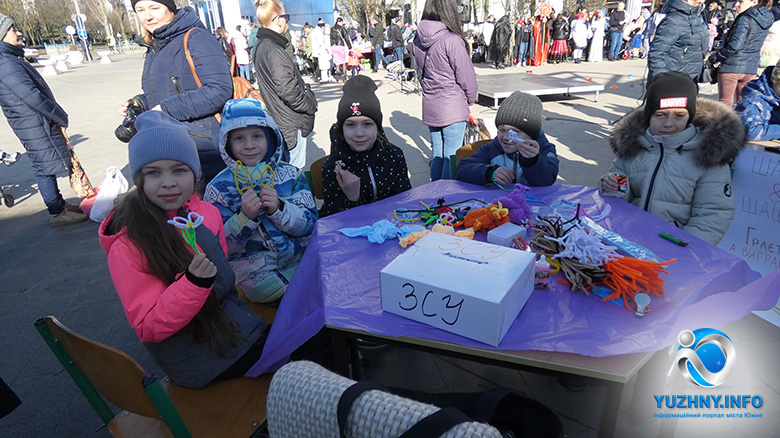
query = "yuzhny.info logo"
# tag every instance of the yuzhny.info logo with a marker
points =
(706, 357)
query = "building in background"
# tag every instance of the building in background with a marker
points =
(230, 13)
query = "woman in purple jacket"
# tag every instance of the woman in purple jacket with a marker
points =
(448, 79)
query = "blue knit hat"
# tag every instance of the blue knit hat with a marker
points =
(160, 137)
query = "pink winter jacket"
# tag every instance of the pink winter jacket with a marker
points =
(156, 310)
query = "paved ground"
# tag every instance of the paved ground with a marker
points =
(63, 271)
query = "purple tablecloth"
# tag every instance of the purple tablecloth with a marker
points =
(337, 283)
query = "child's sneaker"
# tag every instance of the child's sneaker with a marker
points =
(10, 159)
(67, 218)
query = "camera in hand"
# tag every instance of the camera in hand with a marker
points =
(126, 130)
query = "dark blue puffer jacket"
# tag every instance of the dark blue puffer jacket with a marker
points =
(744, 40)
(168, 81)
(32, 112)
(680, 41)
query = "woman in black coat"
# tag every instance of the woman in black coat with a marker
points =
(36, 119)
(742, 50)
(290, 101)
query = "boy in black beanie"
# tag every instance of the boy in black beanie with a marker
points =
(363, 166)
(675, 153)
(520, 153)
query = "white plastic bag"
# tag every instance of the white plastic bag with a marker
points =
(113, 185)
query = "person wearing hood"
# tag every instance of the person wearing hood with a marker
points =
(760, 106)
(742, 50)
(36, 118)
(675, 154)
(680, 41)
(448, 80)
(363, 166)
(168, 81)
(266, 205)
(290, 101)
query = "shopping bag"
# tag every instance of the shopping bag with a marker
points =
(113, 185)
(78, 178)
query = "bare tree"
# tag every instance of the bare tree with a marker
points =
(364, 10)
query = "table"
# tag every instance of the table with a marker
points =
(558, 331)
(501, 86)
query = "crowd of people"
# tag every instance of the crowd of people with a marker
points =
(250, 224)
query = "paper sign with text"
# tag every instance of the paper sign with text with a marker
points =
(754, 234)
(471, 288)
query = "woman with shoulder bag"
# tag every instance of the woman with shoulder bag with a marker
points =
(740, 55)
(168, 81)
(448, 79)
(290, 101)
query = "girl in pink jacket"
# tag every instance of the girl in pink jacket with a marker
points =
(167, 255)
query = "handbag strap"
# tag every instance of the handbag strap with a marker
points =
(346, 401)
(437, 424)
(192, 66)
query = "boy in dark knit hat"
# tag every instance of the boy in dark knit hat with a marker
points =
(520, 153)
(675, 153)
(363, 166)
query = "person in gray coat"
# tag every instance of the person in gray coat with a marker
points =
(36, 118)
(448, 79)
(675, 153)
(742, 50)
(680, 41)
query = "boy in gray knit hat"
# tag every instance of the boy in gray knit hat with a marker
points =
(520, 153)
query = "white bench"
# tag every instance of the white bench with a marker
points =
(61, 63)
(75, 57)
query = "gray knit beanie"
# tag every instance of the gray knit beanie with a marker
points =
(523, 111)
(161, 137)
(5, 24)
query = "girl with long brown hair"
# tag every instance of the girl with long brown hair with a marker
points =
(175, 283)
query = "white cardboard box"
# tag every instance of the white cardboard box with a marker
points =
(503, 234)
(471, 288)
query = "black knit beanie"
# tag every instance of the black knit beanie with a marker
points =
(170, 4)
(523, 111)
(671, 90)
(359, 99)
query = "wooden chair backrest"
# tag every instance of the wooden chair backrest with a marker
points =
(316, 177)
(114, 374)
(469, 149)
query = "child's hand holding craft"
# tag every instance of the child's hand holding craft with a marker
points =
(349, 183)
(269, 199)
(202, 267)
(251, 204)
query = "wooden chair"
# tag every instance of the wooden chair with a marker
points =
(465, 152)
(151, 407)
(314, 177)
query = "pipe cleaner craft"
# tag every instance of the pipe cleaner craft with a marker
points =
(446, 214)
(412, 238)
(257, 177)
(486, 218)
(517, 204)
(187, 226)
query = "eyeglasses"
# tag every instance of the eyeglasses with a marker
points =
(285, 16)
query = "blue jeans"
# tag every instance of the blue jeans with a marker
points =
(244, 72)
(445, 142)
(398, 54)
(380, 56)
(616, 40)
(522, 54)
(47, 187)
